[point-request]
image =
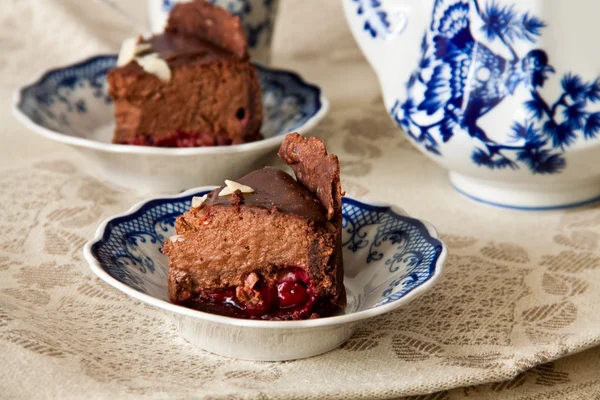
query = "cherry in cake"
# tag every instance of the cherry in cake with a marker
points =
(266, 246)
(193, 85)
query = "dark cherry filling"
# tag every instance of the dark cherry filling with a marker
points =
(290, 295)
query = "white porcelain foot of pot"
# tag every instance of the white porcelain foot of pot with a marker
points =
(527, 196)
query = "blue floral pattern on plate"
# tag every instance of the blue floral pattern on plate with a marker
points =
(386, 254)
(460, 79)
(74, 100)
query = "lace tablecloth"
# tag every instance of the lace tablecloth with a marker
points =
(521, 289)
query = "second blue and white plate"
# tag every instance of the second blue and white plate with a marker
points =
(71, 105)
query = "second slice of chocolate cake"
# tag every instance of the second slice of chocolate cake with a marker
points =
(192, 85)
(266, 246)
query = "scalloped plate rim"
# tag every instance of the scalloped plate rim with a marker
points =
(214, 318)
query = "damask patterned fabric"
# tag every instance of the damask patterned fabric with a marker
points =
(521, 289)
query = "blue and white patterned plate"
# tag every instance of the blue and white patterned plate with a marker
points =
(71, 105)
(389, 259)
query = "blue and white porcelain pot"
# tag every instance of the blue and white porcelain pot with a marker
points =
(258, 17)
(505, 94)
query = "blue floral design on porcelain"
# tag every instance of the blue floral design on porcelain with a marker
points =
(397, 242)
(123, 251)
(257, 16)
(460, 79)
(379, 22)
(73, 98)
(395, 254)
(44, 102)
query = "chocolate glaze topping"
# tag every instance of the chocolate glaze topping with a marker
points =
(208, 22)
(274, 188)
(199, 32)
(181, 50)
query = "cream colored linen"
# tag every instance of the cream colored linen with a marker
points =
(521, 289)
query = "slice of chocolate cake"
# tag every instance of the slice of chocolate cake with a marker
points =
(191, 86)
(266, 246)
